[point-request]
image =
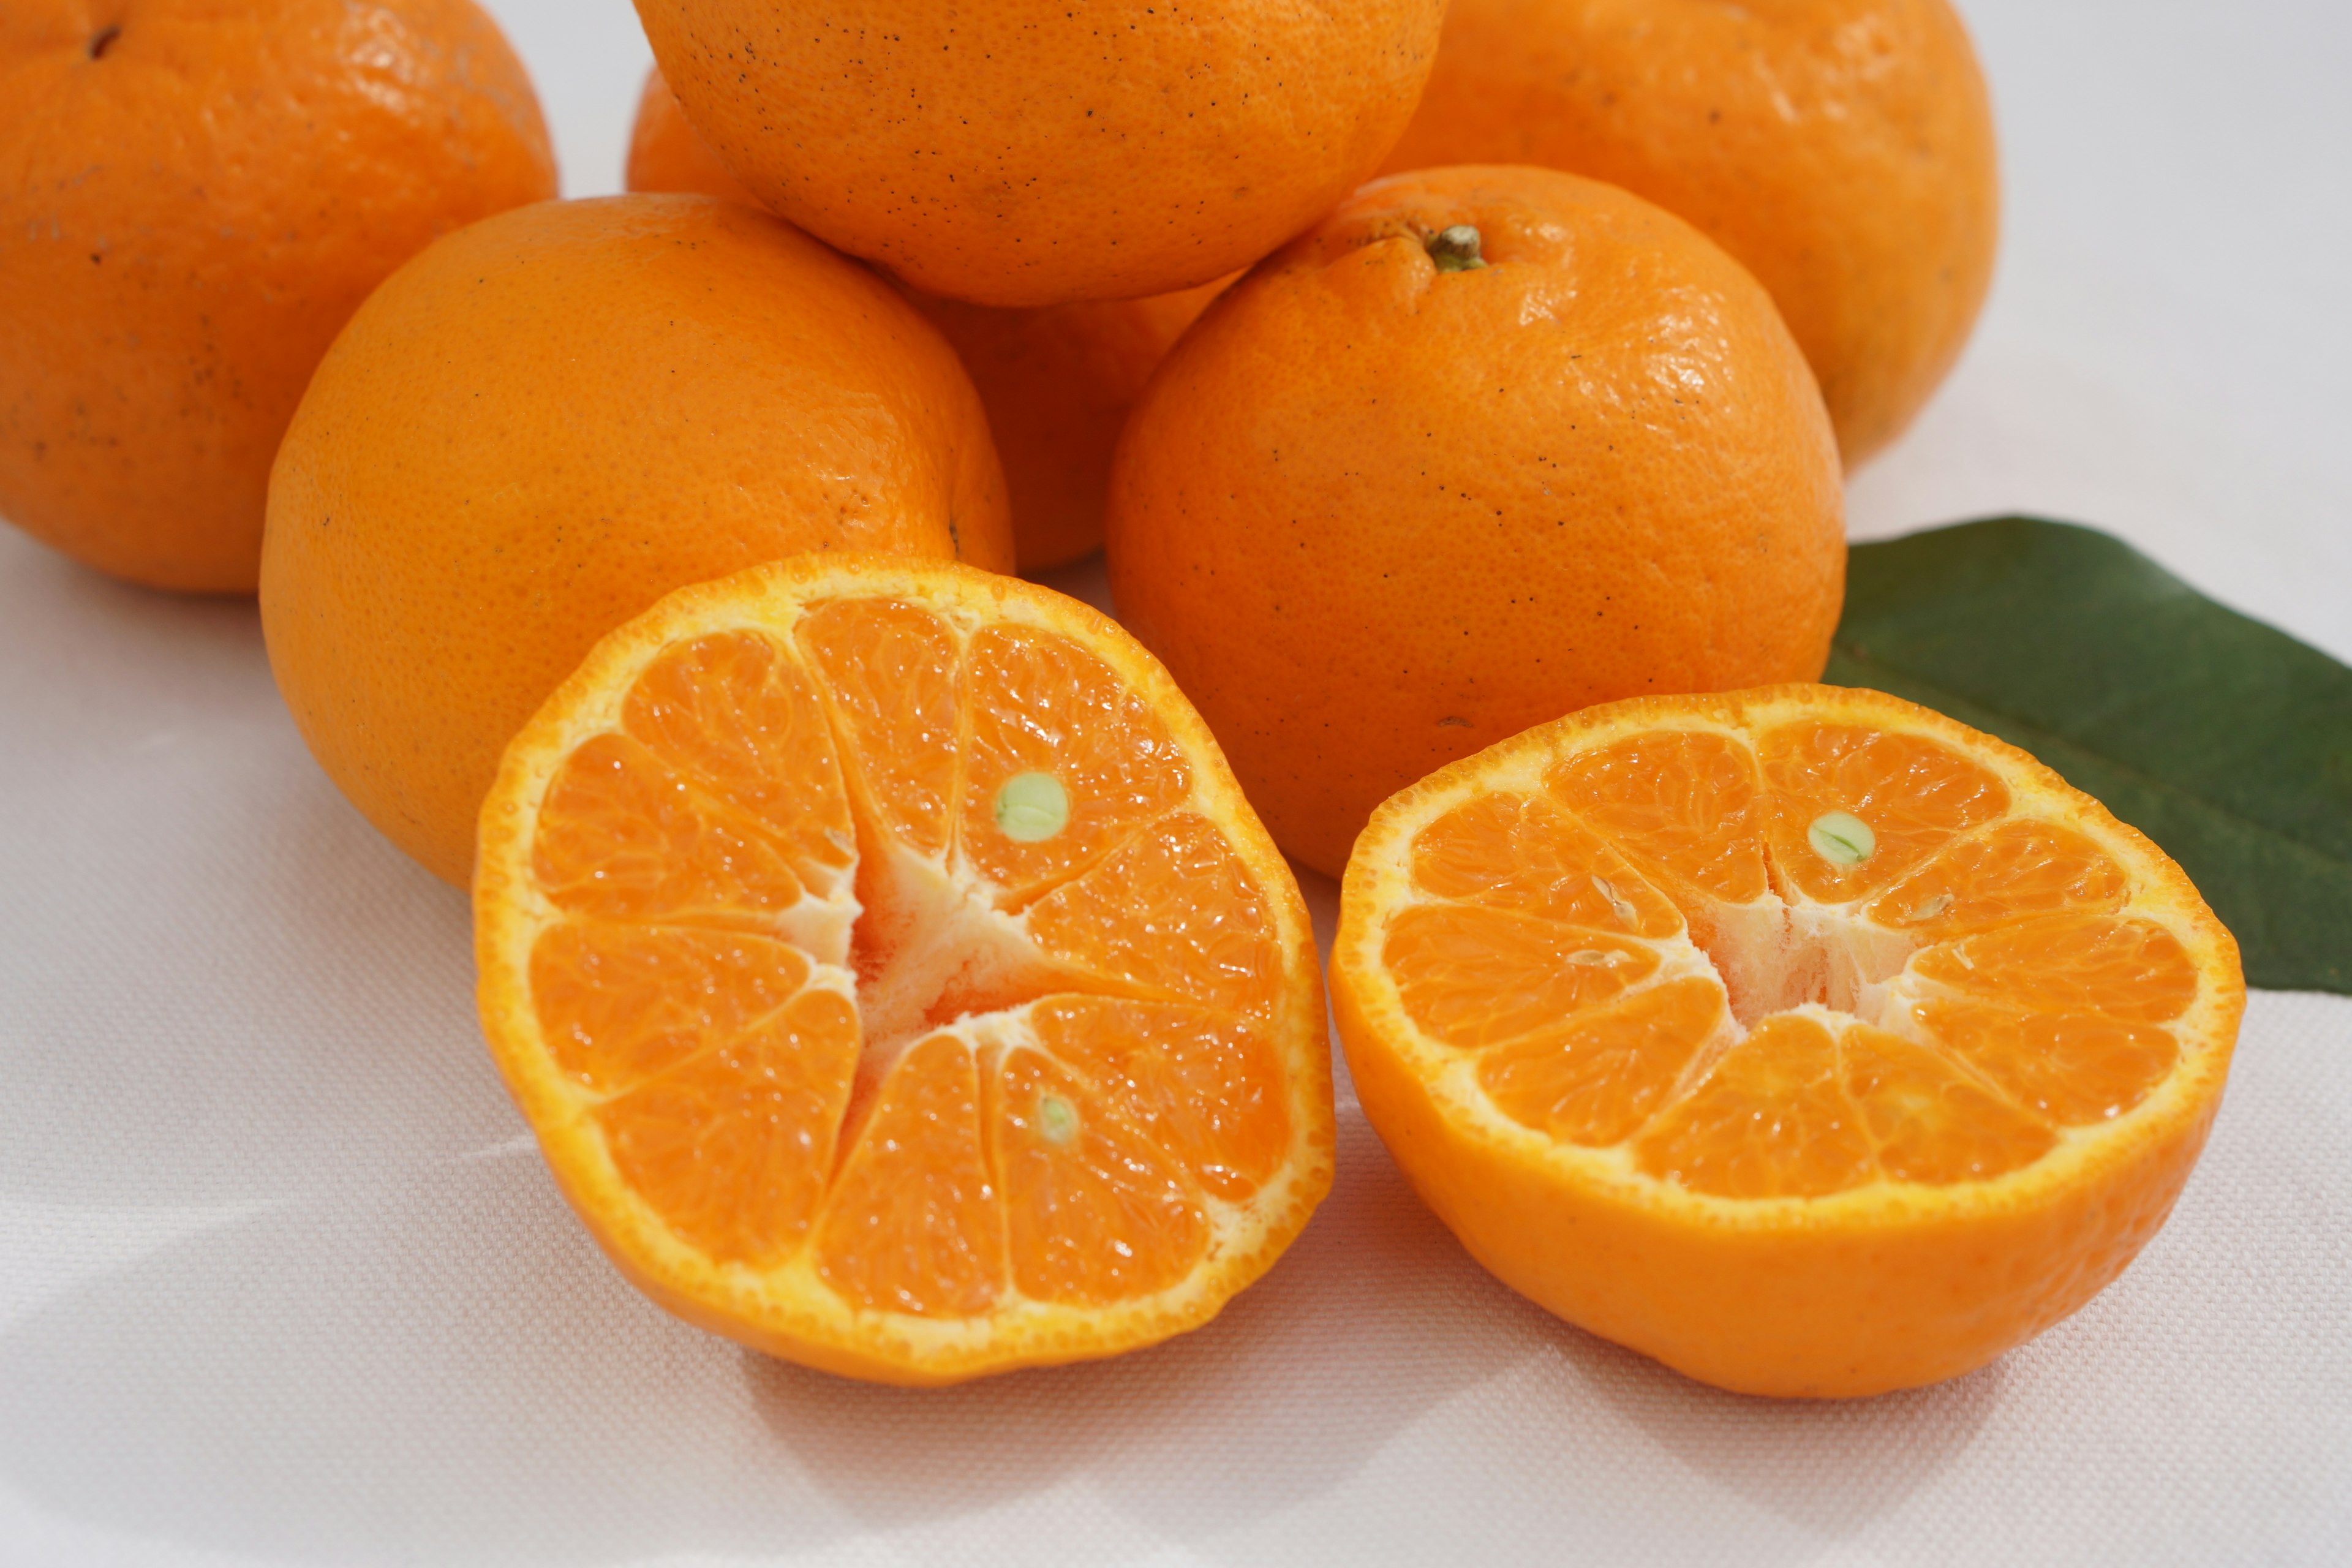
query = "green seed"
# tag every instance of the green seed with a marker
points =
(1058, 1121)
(1841, 838)
(1031, 807)
(1456, 249)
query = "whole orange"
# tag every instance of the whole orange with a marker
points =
(196, 197)
(546, 422)
(666, 153)
(1057, 381)
(1028, 152)
(1383, 506)
(1842, 150)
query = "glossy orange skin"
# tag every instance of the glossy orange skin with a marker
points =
(1842, 150)
(188, 216)
(1375, 517)
(666, 153)
(1830, 1313)
(548, 421)
(1057, 381)
(1028, 152)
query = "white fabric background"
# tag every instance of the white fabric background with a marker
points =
(283, 1281)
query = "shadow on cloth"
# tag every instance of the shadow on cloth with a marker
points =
(298, 1010)
(443, 1369)
(1346, 1342)
(223, 986)
(1830, 1466)
(447, 1373)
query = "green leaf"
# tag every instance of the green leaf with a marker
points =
(2226, 741)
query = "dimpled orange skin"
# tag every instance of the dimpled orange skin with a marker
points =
(1028, 152)
(1376, 516)
(1842, 150)
(666, 153)
(1057, 381)
(197, 197)
(545, 423)
(1775, 1313)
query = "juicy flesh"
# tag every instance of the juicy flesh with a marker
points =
(1941, 1011)
(826, 1013)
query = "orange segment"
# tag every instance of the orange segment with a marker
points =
(914, 1225)
(621, 837)
(1598, 1080)
(2130, 969)
(1176, 915)
(1096, 1213)
(1918, 1097)
(1679, 801)
(1771, 1121)
(1475, 977)
(1519, 852)
(2068, 1067)
(733, 1148)
(618, 1003)
(1043, 705)
(889, 670)
(734, 716)
(1914, 792)
(894, 977)
(1931, 1124)
(2010, 870)
(1205, 1089)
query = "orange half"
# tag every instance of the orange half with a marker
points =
(894, 977)
(1800, 1038)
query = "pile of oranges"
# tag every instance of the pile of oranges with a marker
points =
(899, 961)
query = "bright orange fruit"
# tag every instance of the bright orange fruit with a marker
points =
(1036, 153)
(1383, 505)
(547, 421)
(194, 199)
(894, 977)
(666, 153)
(1057, 381)
(1800, 1038)
(1842, 150)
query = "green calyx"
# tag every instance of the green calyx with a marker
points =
(1454, 248)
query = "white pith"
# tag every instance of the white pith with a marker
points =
(936, 950)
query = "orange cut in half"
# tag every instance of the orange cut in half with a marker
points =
(1800, 1038)
(894, 977)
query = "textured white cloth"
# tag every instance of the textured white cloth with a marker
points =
(282, 1278)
